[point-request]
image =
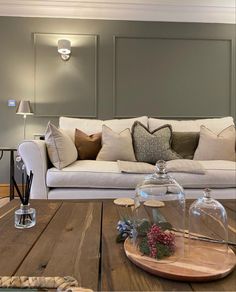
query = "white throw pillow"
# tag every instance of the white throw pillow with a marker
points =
(216, 147)
(61, 149)
(116, 146)
(215, 124)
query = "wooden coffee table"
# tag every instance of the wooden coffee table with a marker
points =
(78, 239)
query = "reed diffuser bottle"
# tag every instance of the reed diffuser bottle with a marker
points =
(25, 217)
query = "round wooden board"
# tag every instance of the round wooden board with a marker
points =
(125, 202)
(187, 268)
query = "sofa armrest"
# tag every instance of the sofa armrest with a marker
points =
(34, 156)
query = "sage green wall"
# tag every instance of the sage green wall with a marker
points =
(178, 70)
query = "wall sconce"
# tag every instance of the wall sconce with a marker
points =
(64, 49)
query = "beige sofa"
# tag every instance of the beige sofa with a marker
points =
(103, 179)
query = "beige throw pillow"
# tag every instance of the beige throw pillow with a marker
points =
(61, 149)
(116, 146)
(216, 147)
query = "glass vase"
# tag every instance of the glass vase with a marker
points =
(208, 230)
(160, 217)
(25, 217)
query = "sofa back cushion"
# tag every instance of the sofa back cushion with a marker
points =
(216, 124)
(91, 126)
(185, 143)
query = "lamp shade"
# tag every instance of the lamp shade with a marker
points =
(64, 47)
(24, 108)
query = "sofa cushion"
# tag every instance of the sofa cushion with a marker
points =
(91, 126)
(216, 147)
(185, 143)
(116, 146)
(106, 175)
(216, 125)
(92, 174)
(87, 146)
(152, 146)
(119, 125)
(219, 174)
(61, 149)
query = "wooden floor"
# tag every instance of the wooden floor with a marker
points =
(4, 192)
(3, 201)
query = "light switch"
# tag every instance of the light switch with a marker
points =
(11, 102)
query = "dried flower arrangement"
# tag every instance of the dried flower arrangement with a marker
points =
(157, 243)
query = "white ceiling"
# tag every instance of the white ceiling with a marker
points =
(211, 11)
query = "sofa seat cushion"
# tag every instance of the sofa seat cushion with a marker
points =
(92, 174)
(218, 174)
(106, 175)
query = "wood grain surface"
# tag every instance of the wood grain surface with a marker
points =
(203, 262)
(15, 244)
(69, 246)
(118, 273)
(68, 239)
(228, 283)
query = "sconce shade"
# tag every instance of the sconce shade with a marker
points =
(24, 108)
(64, 47)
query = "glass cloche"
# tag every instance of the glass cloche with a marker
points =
(159, 216)
(208, 230)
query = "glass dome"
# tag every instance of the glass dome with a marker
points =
(208, 230)
(159, 216)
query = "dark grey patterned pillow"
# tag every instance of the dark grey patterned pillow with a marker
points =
(153, 146)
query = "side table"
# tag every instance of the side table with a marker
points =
(12, 171)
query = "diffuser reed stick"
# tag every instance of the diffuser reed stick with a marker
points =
(24, 218)
(24, 196)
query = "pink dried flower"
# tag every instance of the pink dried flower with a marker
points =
(155, 236)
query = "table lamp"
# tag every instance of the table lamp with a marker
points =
(24, 109)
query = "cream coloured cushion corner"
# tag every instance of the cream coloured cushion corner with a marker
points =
(116, 146)
(216, 147)
(61, 149)
(214, 124)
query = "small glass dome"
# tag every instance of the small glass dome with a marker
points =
(160, 216)
(208, 230)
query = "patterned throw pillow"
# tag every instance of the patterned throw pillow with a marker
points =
(152, 146)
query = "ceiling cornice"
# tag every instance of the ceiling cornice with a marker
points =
(208, 11)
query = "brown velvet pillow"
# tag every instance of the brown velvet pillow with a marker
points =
(185, 143)
(87, 146)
